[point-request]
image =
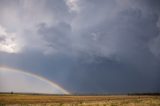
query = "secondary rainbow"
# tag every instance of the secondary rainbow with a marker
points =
(35, 76)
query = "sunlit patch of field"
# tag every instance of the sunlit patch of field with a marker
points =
(67, 100)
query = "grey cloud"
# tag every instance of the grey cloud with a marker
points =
(110, 76)
(103, 46)
(60, 10)
(57, 37)
(123, 36)
(111, 35)
(2, 38)
(154, 46)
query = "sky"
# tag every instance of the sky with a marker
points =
(85, 46)
(13, 80)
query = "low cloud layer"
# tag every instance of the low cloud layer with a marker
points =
(88, 46)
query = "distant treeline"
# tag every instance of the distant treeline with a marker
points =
(110, 94)
(143, 93)
(85, 94)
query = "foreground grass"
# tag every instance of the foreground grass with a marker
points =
(42, 100)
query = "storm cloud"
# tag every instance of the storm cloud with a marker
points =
(87, 46)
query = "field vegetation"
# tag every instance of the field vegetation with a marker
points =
(70, 100)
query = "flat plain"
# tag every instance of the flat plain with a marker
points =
(73, 100)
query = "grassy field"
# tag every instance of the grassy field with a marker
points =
(51, 100)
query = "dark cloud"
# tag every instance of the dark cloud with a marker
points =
(111, 76)
(57, 37)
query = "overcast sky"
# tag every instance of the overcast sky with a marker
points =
(86, 46)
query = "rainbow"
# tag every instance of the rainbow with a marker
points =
(54, 85)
